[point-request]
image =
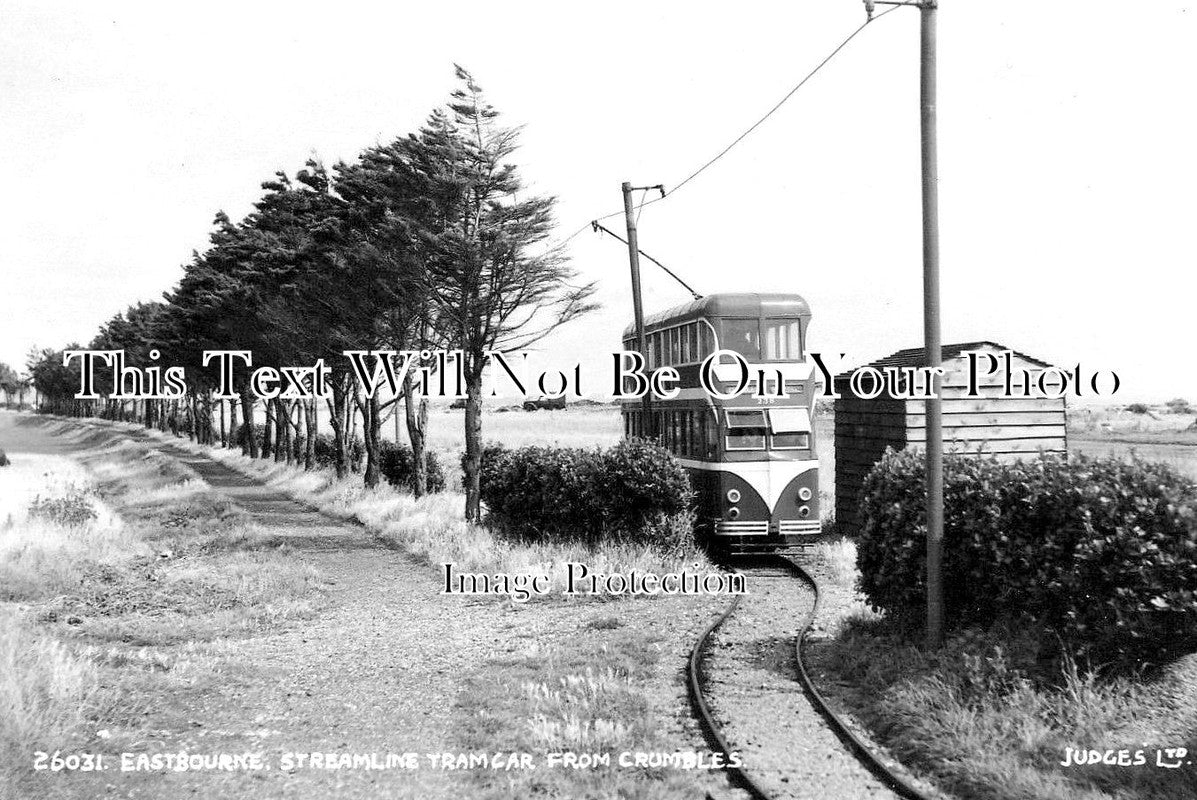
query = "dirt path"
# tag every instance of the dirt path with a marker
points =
(375, 672)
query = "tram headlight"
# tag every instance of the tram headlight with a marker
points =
(804, 511)
(804, 494)
(733, 513)
(733, 495)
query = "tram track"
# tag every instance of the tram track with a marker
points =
(796, 759)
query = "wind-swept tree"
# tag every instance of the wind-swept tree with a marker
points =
(481, 247)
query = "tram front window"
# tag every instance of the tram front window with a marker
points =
(790, 428)
(746, 430)
(743, 336)
(783, 340)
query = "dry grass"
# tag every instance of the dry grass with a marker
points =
(122, 569)
(586, 697)
(45, 695)
(433, 528)
(40, 556)
(982, 719)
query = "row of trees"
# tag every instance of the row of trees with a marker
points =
(13, 384)
(428, 242)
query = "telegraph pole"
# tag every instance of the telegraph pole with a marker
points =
(931, 329)
(931, 326)
(637, 303)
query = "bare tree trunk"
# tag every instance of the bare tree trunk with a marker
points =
(309, 440)
(354, 411)
(416, 412)
(209, 417)
(371, 427)
(473, 444)
(233, 427)
(250, 446)
(268, 429)
(282, 438)
(224, 437)
(338, 421)
(297, 444)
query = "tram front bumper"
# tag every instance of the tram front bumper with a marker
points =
(749, 536)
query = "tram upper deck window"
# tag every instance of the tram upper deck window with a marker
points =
(743, 336)
(783, 340)
(746, 430)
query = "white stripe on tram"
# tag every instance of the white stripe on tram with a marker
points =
(768, 478)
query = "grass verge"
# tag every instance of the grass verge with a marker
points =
(120, 574)
(590, 696)
(433, 529)
(983, 719)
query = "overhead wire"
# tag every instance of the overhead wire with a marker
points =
(794, 90)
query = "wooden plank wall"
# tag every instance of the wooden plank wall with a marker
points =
(1006, 428)
(863, 429)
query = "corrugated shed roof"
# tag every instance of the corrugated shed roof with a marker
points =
(917, 356)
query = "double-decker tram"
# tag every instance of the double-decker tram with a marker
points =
(751, 459)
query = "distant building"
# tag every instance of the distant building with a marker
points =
(1008, 428)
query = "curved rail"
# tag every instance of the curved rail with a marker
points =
(698, 701)
(863, 753)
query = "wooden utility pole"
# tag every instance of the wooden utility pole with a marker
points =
(931, 328)
(931, 335)
(637, 303)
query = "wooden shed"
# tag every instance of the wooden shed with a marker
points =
(1008, 428)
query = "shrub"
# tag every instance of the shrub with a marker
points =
(325, 449)
(1179, 405)
(398, 467)
(1137, 408)
(72, 510)
(259, 432)
(1102, 552)
(631, 491)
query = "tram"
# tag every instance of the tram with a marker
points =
(751, 460)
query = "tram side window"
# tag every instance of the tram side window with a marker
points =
(706, 340)
(783, 340)
(742, 336)
(746, 430)
(710, 434)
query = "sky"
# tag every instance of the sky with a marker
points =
(1067, 159)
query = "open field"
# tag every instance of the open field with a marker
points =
(1158, 434)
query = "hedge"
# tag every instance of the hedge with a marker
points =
(1102, 552)
(624, 492)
